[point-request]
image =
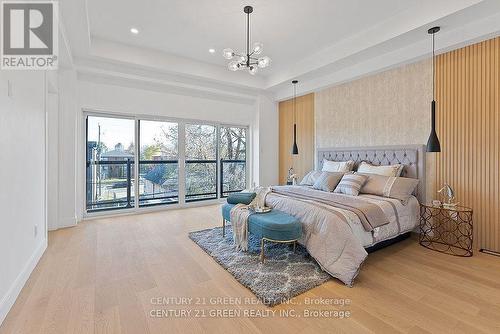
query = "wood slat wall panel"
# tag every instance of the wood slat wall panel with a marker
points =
(468, 107)
(304, 161)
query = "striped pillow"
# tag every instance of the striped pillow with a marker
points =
(388, 186)
(351, 184)
(327, 181)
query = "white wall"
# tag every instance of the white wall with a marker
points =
(135, 101)
(266, 142)
(52, 159)
(61, 146)
(22, 190)
(68, 106)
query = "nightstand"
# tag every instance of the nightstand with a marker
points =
(446, 230)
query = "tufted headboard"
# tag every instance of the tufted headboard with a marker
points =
(411, 156)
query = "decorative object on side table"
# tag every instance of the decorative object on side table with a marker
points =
(448, 196)
(437, 203)
(291, 179)
(447, 230)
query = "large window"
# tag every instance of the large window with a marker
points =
(110, 163)
(232, 159)
(158, 163)
(201, 162)
(177, 162)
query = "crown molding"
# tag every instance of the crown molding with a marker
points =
(145, 80)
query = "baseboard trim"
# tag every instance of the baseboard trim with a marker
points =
(489, 252)
(10, 297)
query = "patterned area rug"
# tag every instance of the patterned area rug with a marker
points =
(284, 274)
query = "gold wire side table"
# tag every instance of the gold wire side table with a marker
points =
(446, 230)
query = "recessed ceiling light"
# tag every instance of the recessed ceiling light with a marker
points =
(134, 31)
(211, 50)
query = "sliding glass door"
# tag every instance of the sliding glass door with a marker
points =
(110, 163)
(178, 162)
(201, 162)
(233, 164)
(158, 163)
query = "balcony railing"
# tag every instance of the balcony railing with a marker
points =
(159, 182)
(201, 180)
(110, 184)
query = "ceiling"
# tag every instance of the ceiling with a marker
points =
(310, 40)
(190, 28)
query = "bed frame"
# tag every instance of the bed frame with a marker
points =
(411, 156)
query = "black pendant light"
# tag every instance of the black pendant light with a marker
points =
(433, 144)
(295, 148)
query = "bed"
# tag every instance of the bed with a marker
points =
(335, 235)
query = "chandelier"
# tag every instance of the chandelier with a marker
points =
(248, 62)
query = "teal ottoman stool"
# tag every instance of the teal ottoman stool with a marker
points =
(226, 216)
(274, 226)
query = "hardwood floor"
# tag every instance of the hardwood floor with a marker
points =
(101, 277)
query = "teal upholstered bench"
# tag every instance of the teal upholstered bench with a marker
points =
(274, 226)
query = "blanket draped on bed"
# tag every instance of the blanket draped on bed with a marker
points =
(370, 215)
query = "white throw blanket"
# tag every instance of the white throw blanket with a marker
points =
(239, 218)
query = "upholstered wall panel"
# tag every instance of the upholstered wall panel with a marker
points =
(388, 108)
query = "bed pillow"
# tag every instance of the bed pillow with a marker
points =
(400, 188)
(351, 184)
(337, 166)
(310, 178)
(327, 181)
(391, 170)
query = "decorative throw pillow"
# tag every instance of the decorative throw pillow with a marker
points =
(351, 184)
(389, 186)
(310, 178)
(337, 166)
(327, 181)
(391, 170)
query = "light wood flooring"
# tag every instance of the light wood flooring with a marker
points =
(101, 276)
